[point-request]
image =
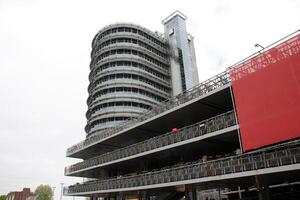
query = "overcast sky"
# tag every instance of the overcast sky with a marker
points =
(44, 65)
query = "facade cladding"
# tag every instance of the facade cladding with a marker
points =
(133, 69)
(182, 54)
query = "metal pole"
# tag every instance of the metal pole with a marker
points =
(240, 192)
(236, 118)
(53, 188)
(61, 190)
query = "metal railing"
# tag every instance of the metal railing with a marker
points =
(134, 46)
(281, 155)
(216, 123)
(157, 36)
(203, 88)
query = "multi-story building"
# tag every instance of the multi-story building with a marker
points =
(182, 57)
(25, 194)
(232, 135)
(133, 69)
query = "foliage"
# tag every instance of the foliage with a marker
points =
(2, 197)
(43, 192)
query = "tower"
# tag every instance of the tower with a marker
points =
(129, 75)
(182, 58)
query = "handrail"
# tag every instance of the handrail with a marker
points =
(201, 89)
(215, 123)
(280, 155)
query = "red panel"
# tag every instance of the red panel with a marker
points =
(266, 90)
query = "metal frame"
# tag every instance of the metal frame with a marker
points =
(204, 127)
(203, 88)
(286, 154)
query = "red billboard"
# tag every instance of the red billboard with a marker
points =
(266, 90)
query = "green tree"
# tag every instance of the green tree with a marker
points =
(43, 192)
(2, 197)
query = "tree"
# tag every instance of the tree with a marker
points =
(43, 192)
(2, 197)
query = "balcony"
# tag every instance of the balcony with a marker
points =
(188, 134)
(282, 158)
(204, 89)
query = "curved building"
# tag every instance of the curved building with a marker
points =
(130, 73)
(132, 70)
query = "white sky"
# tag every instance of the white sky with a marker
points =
(44, 65)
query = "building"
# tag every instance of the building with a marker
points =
(25, 194)
(233, 136)
(132, 70)
(182, 57)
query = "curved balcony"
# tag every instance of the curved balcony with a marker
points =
(114, 109)
(105, 125)
(93, 111)
(197, 130)
(125, 57)
(123, 96)
(141, 76)
(95, 129)
(101, 34)
(131, 46)
(132, 82)
(279, 158)
(132, 70)
(133, 52)
(130, 114)
(130, 66)
(131, 36)
(150, 95)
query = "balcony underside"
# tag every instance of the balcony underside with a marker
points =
(205, 106)
(215, 143)
(272, 165)
(269, 176)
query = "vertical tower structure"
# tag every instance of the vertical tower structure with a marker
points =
(182, 58)
(129, 74)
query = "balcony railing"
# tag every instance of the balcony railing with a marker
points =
(201, 128)
(203, 88)
(287, 154)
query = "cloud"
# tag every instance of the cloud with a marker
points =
(44, 66)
